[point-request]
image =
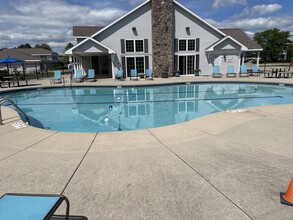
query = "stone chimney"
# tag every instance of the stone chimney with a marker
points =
(163, 37)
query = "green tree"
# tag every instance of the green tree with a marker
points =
(25, 46)
(68, 46)
(44, 46)
(65, 58)
(274, 43)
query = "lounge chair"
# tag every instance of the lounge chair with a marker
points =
(216, 71)
(230, 71)
(78, 76)
(14, 206)
(148, 74)
(119, 75)
(57, 77)
(133, 74)
(243, 71)
(255, 70)
(91, 77)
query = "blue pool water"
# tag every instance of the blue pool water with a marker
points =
(101, 109)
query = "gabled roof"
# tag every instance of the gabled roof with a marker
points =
(85, 31)
(243, 38)
(211, 48)
(110, 51)
(21, 54)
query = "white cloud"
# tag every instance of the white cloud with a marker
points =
(227, 3)
(48, 21)
(253, 25)
(259, 10)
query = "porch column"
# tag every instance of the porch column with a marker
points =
(257, 59)
(243, 57)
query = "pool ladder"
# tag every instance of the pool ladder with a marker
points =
(3, 100)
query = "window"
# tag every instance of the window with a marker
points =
(139, 46)
(135, 63)
(191, 45)
(134, 46)
(186, 45)
(129, 46)
(182, 45)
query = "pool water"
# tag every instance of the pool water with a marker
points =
(106, 109)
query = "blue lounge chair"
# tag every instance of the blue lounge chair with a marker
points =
(57, 77)
(243, 71)
(119, 75)
(78, 76)
(255, 70)
(15, 206)
(133, 74)
(148, 74)
(91, 76)
(230, 71)
(216, 71)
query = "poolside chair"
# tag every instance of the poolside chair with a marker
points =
(230, 71)
(14, 206)
(243, 71)
(57, 77)
(133, 74)
(216, 71)
(91, 77)
(78, 76)
(148, 74)
(255, 70)
(119, 75)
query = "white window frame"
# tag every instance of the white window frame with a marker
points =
(187, 44)
(134, 45)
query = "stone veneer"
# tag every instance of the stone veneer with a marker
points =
(163, 37)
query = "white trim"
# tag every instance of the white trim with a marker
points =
(134, 46)
(253, 50)
(211, 48)
(69, 52)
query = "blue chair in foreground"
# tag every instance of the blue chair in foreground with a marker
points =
(148, 74)
(15, 206)
(119, 75)
(230, 71)
(133, 74)
(216, 71)
(78, 76)
(91, 76)
(57, 77)
(243, 71)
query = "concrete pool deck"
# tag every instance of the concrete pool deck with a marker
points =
(228, 165)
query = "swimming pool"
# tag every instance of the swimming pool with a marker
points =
(106, 109)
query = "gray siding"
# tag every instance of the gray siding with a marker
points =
(141, 20)
(197, 29)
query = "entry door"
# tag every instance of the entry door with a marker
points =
(95, 64)
(186, 64)
(135, 63)
(182, 65)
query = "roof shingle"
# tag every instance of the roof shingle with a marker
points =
(242, 38)
(85, 31)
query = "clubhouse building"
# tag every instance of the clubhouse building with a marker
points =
(161, 35)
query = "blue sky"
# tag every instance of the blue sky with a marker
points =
(51, 21)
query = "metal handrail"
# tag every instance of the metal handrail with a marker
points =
(3, 100)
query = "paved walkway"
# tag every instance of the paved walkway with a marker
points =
(221, 166)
